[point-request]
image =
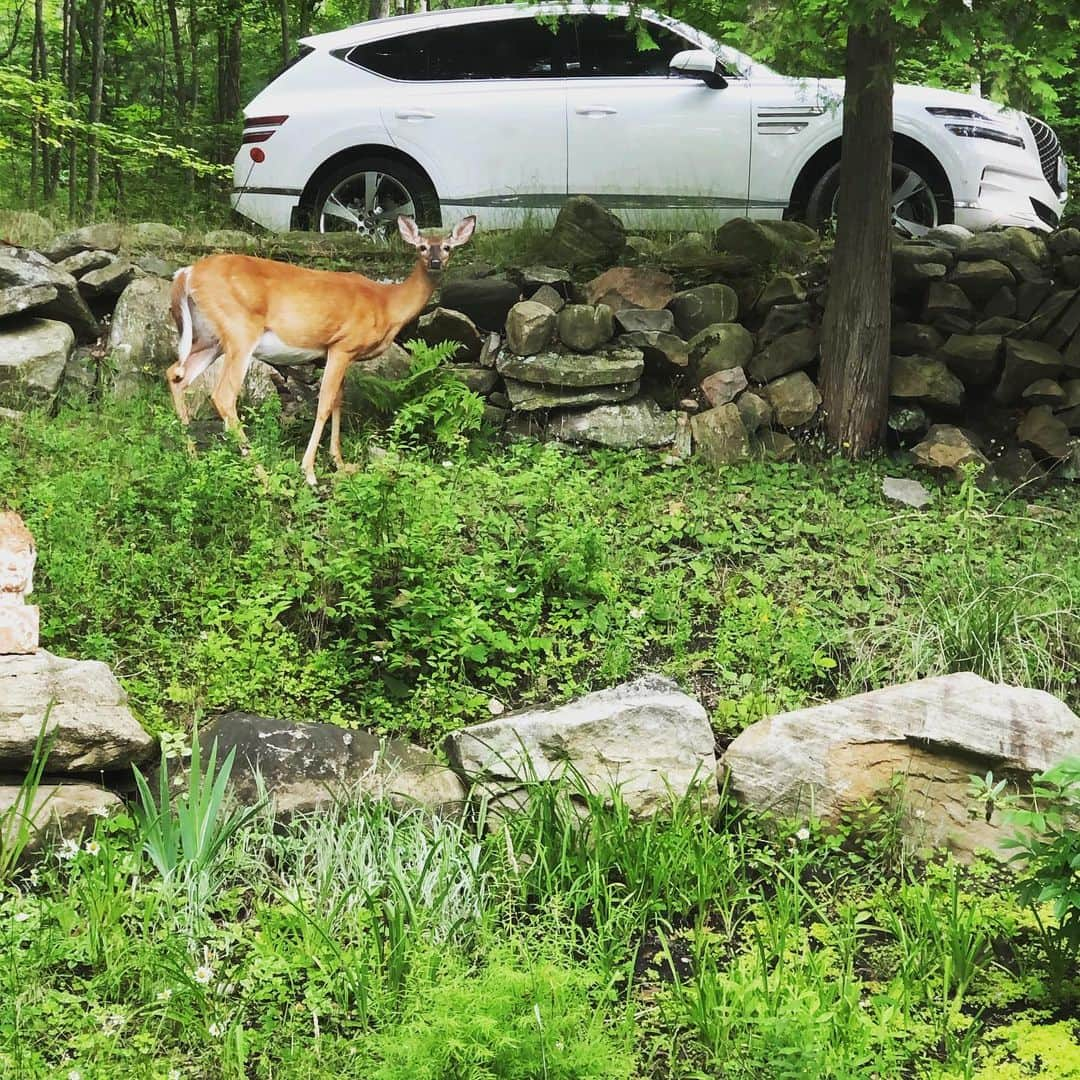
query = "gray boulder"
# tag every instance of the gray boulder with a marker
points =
(645, 739)
(531, 397)
(945, 298)
(906, 492)
(530, 326)
(64, 810)
(486, 301)
(1044, 433)
(156, 232)
(26, 228)
(981, 279)
(586, 232)
(93, 728)
(755, 411)
(948, 448)
(16, 299)
(229, 239)
(794, 399)
(142, 336)
(723, 387)
(657, 348)
(719, 347)
(783, 290)
(68, 306)
(931, 735)
(608, 368)
(444, 324)
(83, 262)
(633, 425)
(719, 435)
(975, 358)
(696, 309)
(786, 354)
(107, 282)
(101, 237)
(585, 327)
(645, 320)
(926, 381)
(783, 319)
(33, 354)
(306, 767)
(1025, 362)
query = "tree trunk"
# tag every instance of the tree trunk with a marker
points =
(855, 332)
(71, 81)
(97, 83)
(178, 62)
(283, 8)
(35, 116)
(380, 9)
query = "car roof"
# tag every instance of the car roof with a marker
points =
(395, 25)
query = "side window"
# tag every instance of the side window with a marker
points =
(508, 49)
(611, 47)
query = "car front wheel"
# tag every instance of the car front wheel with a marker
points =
(920, 198)
(367, 195)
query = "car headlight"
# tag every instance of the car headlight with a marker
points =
(976, 131)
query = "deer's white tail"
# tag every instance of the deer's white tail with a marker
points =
(181, 311)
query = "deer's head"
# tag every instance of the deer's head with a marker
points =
(435, 251)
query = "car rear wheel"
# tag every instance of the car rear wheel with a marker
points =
(367, 195)
(920, 198)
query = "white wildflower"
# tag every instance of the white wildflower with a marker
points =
(636, 613)
(93, 847)
(74, 1074)
(203, 974)
(803, 834)
(22, 916)
(112, 1023)
(68, 850)
(511, 590)
(164, 995)
(100, 811)
(216, 1030)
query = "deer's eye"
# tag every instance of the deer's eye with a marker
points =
(423, 247)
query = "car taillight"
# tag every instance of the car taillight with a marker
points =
(266, 126)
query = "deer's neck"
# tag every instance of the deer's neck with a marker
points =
(409, 298)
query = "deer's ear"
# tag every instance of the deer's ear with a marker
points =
(463, 230)
(409, 232)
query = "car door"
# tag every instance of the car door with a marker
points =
(659, 150)
(482, 107)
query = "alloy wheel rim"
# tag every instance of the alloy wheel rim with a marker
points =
(913, 204)
(368, 203)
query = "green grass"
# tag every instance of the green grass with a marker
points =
(407, 596)
(450, 571)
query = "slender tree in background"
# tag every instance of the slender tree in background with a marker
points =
(97, 86)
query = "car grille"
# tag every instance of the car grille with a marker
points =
(1049, 150)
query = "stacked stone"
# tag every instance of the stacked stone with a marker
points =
(91, 734)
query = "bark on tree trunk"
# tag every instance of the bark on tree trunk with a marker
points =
(283, 8)
(855, 332)
(97, 82)
(178, 61)
(71, 81)
(35, 116)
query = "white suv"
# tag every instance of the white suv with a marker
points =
(503, 112)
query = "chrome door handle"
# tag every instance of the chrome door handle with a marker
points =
(596, 110)
(414, 115)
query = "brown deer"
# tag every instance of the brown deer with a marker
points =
(243, 307)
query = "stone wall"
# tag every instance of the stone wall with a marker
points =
(708, 345)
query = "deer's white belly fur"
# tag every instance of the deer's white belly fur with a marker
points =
(275, 351)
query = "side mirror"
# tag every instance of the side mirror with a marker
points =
(697, 64)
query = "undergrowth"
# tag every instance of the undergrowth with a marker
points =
(449, 577)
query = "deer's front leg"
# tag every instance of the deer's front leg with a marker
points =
(329, 408)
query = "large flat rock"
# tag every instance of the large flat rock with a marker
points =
(647, 739)
(93, 728)
(932, 734)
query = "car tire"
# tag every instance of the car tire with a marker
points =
(923, 190)
(344, 202)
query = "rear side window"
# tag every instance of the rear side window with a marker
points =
(509, 49)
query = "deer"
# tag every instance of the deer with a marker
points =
(242, 307)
